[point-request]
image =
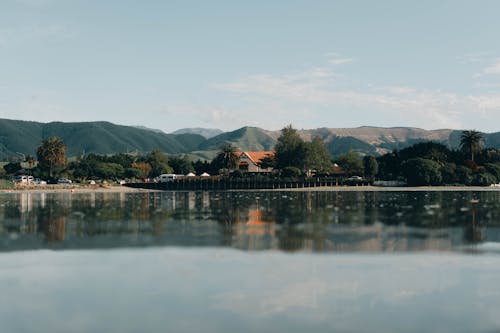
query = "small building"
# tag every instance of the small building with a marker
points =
(249, 161)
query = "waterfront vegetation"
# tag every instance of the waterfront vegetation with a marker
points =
(424, 163)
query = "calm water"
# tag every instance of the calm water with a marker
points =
(250, 262)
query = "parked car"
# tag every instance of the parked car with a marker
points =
(64, 181)
(39, 181)
(23, 179)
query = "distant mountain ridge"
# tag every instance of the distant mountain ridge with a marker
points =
(205, 132)
(18, 138)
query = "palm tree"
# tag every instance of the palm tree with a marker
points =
(228, 157)
(51, 154)
(471, 142)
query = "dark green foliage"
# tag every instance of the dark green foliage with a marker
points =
(159, 163)
(51, 156)
(448, 174)
(290, 149)
(12, 168)
(370, 166)
(268, 161)
(317, 157)
(493, 169)
(464, 175)
(181, 165)
(471, 142)
(421, 172)
(427, 150)
(225, 160)
(236, 174)
(109, 170)
(351, 163)
(132, 173)
(291, 172)
(483, 178)
(389, 166)
(339, 145)
(201, 167)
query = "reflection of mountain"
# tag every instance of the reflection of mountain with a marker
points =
(290, 221)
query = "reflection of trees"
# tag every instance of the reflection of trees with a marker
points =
(473, 230)
(315, 221)
(52, 222)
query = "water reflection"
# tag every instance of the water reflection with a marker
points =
(290, 221)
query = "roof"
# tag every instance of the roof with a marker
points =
(256, 156)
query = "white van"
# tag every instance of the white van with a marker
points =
(166, 177)
(23, 179)
(20, 179)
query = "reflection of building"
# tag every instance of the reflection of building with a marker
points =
(255, 223)
(250, 160)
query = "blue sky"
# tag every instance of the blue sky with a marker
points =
(227, 64)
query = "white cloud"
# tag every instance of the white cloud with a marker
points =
(320, 88)
(493, 68)
(339, 61)
(472, 58)
(335, 59)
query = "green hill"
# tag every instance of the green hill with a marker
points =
(245, 138)
(341, 145)
(21, 137)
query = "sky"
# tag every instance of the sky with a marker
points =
(226, 64)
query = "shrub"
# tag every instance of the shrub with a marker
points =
(292, 172)
(421, 172)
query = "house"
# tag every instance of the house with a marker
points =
(249, 161)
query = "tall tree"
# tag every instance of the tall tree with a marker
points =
(290, 149)
(352, 163)
(370, 166)
(181, 165)
(226, 159)
(471, 142)
(51, 155)
(159, 163)
(317, 156)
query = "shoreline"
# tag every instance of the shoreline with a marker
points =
(126, 189)
(73, 189)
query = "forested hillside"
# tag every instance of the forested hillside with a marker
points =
(18, 138)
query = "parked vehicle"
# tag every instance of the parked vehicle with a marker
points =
(166, 177)
(20, 179)
(39, 181)
(23, 179)
(64, 181)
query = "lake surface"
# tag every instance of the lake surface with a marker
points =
(250, 262)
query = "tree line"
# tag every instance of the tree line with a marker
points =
(425, 163)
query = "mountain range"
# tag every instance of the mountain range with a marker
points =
(18, 138)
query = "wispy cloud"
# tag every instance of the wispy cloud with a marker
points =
(472, 58)
(493, 68)
(336, 59)
(320, 88)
